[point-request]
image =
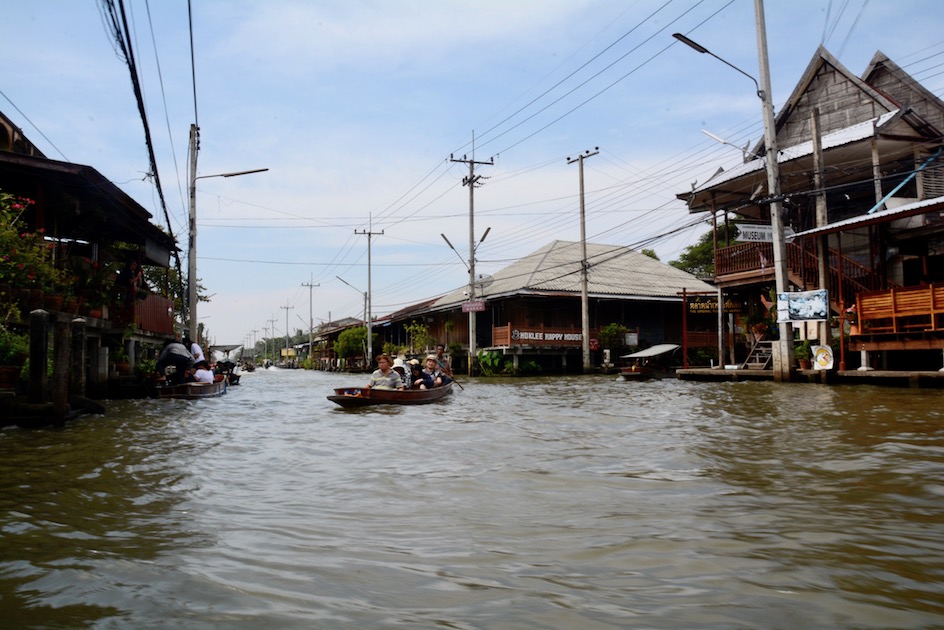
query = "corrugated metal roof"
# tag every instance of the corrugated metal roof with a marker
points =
(883, 216)
(853, 133)
(613, 271)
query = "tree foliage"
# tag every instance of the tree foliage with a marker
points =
(699, 259)
(351, 342)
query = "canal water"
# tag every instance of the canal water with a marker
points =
(565, 502)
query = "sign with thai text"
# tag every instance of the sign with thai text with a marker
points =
(708, 305)
(476, 306)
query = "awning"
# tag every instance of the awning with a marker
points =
(883, 216)
(654, 351)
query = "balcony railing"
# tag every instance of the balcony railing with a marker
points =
(758, 258)
(915, 309)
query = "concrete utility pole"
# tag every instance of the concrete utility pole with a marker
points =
(783, 350)
(287, 309)
(272, 321)
(311, 319)
(784, 362)
(584, 295)
(370, 343)
(472, 181)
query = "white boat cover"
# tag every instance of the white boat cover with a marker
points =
(654, 351)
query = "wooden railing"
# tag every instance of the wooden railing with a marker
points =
(901, 309)
(802, 263)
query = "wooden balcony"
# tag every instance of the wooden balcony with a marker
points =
(753, 262)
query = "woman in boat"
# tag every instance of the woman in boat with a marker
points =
(384, 377)
(433, 370)
(400, 369)
(418, 378)
(202, 372)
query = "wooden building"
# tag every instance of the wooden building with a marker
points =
(863, 188)
(91, 231)
(531, 309)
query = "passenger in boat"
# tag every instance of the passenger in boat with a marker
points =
(418, 378)
(384, 377)
(194, 349)
(175, 354)
(202, 372)
(443, 363)
(400, 369)
(433, 371)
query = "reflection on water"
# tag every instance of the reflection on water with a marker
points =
(526, 503)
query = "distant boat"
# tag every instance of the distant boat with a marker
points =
(649, 363)
(190, 391)
(352, 397)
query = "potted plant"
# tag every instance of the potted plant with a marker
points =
(803, 352)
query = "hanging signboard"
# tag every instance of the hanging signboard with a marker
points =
(803, 306)
(762, 233)
(476, 306)
(708, 305)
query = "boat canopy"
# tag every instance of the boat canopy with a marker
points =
(654, 351)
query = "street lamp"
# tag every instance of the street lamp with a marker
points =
(782, 368)
(192, 260)
(367, 359)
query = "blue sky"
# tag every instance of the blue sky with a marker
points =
(356, 106)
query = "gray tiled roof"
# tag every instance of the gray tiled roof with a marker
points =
(614, 270)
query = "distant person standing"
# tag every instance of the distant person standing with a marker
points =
(194, 348)
(443, 362)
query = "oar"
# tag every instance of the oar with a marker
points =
(457, 383)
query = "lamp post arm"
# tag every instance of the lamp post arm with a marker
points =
(699, 48)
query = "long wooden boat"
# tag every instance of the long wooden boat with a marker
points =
(191, 391)
(353, 397)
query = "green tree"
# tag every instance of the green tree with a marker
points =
(699, 259)
(351, 342)
(651, 253)
(420, 339)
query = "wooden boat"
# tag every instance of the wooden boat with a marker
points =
(648, 364)
(353, 397)
(191, 391)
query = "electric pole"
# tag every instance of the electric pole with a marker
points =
(584, 293)
(472, 181)
(287, 309)
(370, 344)
(272, 321)
(311, 320)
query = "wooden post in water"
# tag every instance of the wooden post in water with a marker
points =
(38, 349)
(61, 346)
(77, 358)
